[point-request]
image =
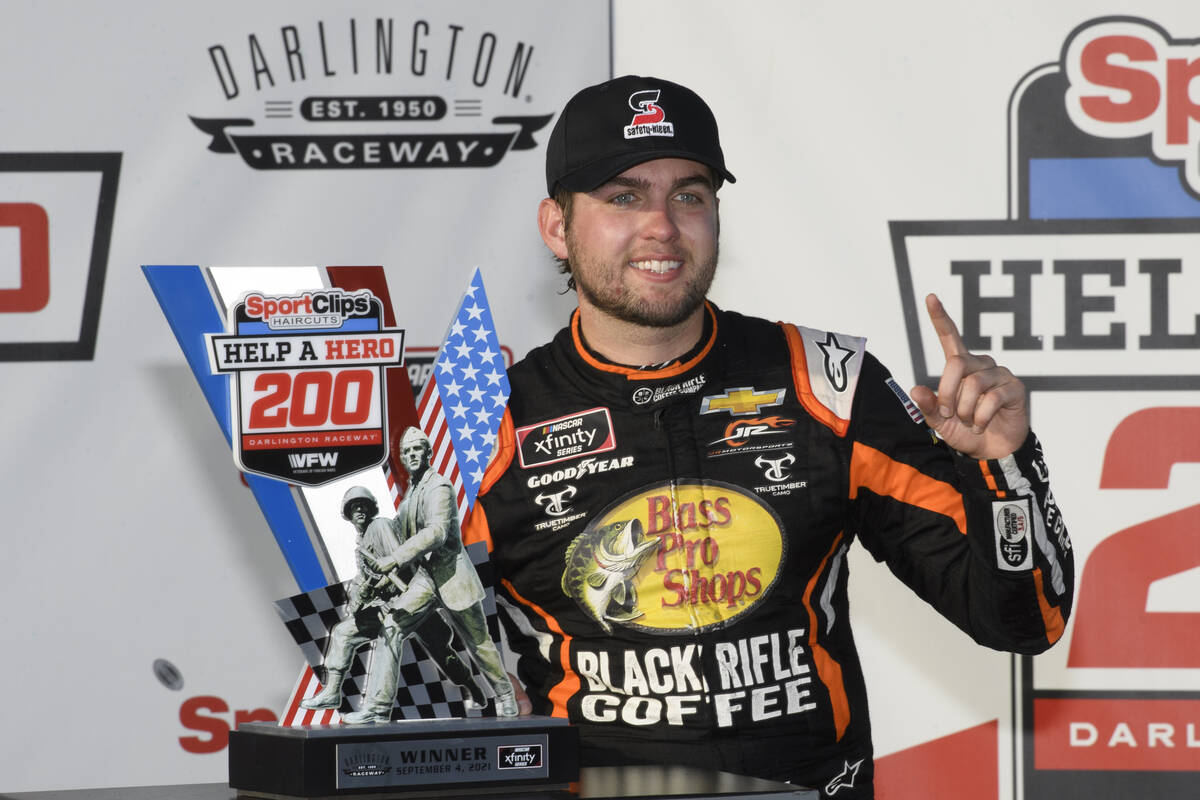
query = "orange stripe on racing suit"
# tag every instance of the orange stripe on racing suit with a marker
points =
(475, 527)
(1051, 615)
(562, 691)
(829, 671)
(874, 470)
(990, 479)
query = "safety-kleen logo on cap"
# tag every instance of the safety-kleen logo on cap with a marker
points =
(650, 119)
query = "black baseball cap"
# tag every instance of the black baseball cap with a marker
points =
(607, 128)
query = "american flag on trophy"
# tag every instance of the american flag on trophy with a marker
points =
(463, 401)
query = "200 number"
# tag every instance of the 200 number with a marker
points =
(312, 399)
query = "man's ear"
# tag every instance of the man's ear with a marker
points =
(552, 225)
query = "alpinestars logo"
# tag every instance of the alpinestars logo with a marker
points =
(649, 119)
(836, 357)
(299, 77)
(844, 779)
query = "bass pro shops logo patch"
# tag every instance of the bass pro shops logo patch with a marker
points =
(678, 557)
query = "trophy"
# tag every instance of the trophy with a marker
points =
(404, 687)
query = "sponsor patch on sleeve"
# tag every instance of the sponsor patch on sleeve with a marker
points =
(1013, 520)
(906, 401)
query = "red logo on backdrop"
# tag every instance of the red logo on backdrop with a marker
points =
(1113, 734)
(1128, 78)
(62, 297)
(205, 714)
(32, 292)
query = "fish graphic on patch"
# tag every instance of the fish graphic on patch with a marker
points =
(601, 563)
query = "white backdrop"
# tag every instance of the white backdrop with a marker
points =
(130, 537)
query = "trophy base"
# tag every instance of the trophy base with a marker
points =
(484, 757)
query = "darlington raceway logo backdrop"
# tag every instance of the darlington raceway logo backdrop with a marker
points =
(424, 94)
(1090, 292)
(308, 390)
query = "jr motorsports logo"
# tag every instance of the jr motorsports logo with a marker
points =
(56, 220)
(1092, 285)
(308, 388)
(370, 93)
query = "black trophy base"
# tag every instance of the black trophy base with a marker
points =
(479, 757)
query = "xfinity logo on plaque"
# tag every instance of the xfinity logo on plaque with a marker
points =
(308, 388)
(527, 756)
(371, 93)
(1090, 291)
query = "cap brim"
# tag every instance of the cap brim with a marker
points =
(592, 176)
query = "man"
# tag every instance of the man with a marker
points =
(426, 527)
(370, 592)
(675, 486)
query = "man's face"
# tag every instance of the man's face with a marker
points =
(415, 457)
(643, 246)
(360, 513)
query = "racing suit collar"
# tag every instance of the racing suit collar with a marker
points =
(679, 366)
(630, 387)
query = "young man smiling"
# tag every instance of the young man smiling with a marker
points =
(675, 486)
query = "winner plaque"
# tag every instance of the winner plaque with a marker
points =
(474, 757)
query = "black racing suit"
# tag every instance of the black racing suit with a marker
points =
(671, 545)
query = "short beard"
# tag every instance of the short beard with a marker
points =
(637, 312)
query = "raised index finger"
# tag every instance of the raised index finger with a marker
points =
(947, 331)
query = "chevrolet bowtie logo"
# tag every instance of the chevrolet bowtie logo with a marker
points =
(742, 401)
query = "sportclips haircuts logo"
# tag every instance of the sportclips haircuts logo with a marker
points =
(308, 388)
(1090, 291)
(371, 93)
